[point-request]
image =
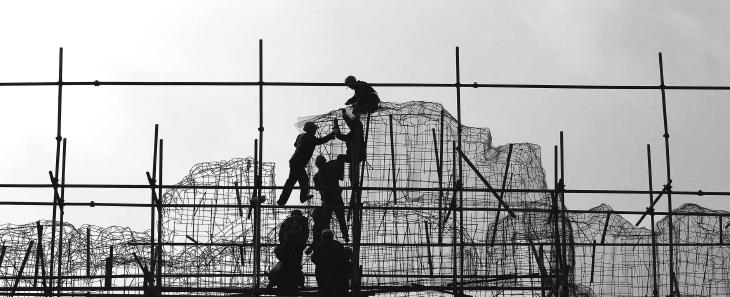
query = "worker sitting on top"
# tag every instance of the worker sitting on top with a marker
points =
(365, 100)
(304, 144)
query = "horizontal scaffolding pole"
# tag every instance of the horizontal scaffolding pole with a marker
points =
(172, 205)
(239, 289)
(313, 84)
(365, 188)
(390, 244)
(127, 276)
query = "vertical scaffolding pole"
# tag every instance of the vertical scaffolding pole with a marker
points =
(655, 286)
(441, 174)
(453, 218)
(356, 208)
(564, 218)
(58, 157)
(257, 177)
(153, 202)
(392, 159)
(672, 277)
(158, 251)
(256, 217)
(461, 193)
(38, 254)
(61, 212)
(555, 216)
(88, 251)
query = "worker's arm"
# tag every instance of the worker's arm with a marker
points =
(347, 119)
(323, 140)
(351, 100)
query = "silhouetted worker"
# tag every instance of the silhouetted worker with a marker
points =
(321, 217)
(293, 235)
(356, 150)
(332, 270)
(354, 139)
(327, 180)
(286, 275)
(304, 144)
(365, 100)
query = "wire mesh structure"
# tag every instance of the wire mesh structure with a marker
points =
(442, 211)
(417, 140)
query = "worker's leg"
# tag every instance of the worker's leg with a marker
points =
(341, 220)
(303, 179)
(288, 185)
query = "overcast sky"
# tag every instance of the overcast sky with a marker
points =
(110, 128)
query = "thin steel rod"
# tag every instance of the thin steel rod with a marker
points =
(256, 218)
(441, 171)
(61, 213)
(484, 180)
(655, 284)
(258, 178)
(428, 247)
(504, 183)
(554, 217)
(605, 228)
(440, 178)
(452, 206)
(672, 277)
(58, 154)
(22, 267)
(153, 201)
(158, 252)
(593, 259)
(88, 251)
(392, 159)
(461, 193)
(39, 251)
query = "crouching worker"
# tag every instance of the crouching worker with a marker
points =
(287, 275)
(365, 100)
(333, 266)
(304, 144)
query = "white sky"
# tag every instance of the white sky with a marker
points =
(110, 129)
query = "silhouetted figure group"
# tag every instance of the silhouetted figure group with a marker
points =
(332, 259)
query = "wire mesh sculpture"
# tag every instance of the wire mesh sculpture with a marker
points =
(412, 162)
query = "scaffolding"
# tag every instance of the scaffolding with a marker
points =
(438, 210)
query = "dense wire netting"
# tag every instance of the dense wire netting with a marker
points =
(626, 269)
(428, 245)
(25, 255)
(411, 145)
(222, 260)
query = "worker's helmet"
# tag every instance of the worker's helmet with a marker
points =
(296, 212)
(350, 80)
(310, 127)
(327, 234)
(320, 160)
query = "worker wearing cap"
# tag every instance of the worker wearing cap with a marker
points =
(365, 100)
(304, 144)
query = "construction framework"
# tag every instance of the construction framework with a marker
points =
(566, 239)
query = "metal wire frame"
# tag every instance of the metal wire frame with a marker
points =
(260, 83)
